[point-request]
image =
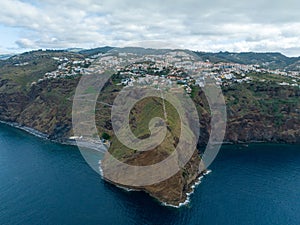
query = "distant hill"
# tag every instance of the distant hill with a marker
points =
(5, 56)
(273, 60)
(74, 49)
(95, 51)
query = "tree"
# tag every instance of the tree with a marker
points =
(105, 136)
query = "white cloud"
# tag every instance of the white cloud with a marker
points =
(26, 43)
(201, 25)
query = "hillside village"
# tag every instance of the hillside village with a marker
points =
(68, 68)
(175, 69)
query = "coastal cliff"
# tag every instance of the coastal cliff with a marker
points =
(257, 111)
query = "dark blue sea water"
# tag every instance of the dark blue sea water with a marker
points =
(46, 183)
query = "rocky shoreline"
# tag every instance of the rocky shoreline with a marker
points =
(26, 129)
(34, 132)
(193, 186)
(189, 194)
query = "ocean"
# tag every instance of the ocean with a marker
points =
(47, 183)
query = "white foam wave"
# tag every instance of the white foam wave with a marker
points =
(27, 129)
(100, 169)
(187, 201)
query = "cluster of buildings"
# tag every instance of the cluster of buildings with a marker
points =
(22, 64)
(68, 68)
(168, 69)
(182, 69)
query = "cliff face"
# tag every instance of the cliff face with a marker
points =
(256, 112)
(11, 103)
(262, 112)
(253, 127)
(172, 191)
(26, 100)
(46, 107)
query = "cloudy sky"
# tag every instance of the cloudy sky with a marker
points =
(211, 25)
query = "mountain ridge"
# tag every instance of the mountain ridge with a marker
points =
(272, 60)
